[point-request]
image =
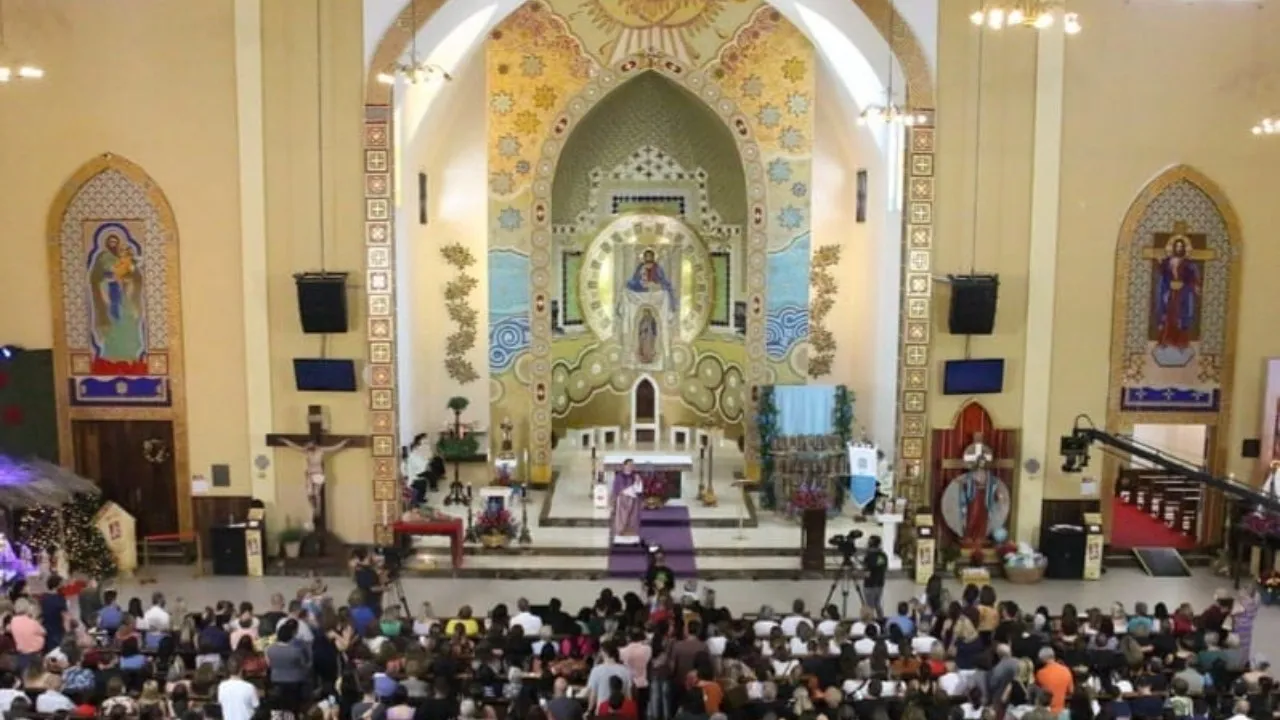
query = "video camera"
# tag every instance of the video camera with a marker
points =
(847, 545)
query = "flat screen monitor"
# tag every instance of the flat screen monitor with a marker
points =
(973, 377)
(324, 375)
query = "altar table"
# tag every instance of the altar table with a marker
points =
(672, 465)
(452, 529)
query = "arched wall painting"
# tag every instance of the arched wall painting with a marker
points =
(113, 259)
(545, 72)
(1175, 306)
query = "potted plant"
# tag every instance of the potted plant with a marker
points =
(496, 527)
(291, 541)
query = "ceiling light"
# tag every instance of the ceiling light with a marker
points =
(1038, 14)
(1268, 126)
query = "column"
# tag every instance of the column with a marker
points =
(1041, 274)
(253, 240)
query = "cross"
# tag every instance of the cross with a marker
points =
(1162, 244)
(317, 436)
(919, 213)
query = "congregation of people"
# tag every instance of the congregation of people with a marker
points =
(654, 653)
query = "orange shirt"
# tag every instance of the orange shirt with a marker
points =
(1056, 679)
(712, 696)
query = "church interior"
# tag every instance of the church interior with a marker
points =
(947, 274)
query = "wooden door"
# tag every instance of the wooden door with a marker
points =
(114, 454)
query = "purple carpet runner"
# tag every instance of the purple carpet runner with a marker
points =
(669, 526)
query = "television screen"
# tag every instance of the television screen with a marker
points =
(324, 375)
(973, 377)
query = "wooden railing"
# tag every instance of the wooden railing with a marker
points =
(1170, 498)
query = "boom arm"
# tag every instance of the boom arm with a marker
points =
(1077, 444)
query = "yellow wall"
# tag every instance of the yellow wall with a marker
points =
(156, 83)
(1120, 130)
(295, 109)
(984, 147)
(128, 82)
(1148, 85)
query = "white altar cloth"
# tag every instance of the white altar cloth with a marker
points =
(674, 461)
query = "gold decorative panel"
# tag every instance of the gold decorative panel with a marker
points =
(917, 291)
(380, 328)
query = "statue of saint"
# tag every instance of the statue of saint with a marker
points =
(979, 500)
(314, 454)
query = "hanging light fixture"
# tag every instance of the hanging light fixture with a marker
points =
(1267, 126)
(413, 69)
(890, 113)
(11, 71)
(1038, 14)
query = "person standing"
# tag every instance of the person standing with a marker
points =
(877, 565)
(636, 656)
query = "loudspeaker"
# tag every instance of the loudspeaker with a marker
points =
(973, 304)
(1251, 448)
(322, 302)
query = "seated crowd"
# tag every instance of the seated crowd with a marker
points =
(638, 655)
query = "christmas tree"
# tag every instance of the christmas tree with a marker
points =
(71, 529)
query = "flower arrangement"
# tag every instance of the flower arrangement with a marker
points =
(1270, 581)
(654, 488)
(495, 523)
(810, 495)
(1004, 550)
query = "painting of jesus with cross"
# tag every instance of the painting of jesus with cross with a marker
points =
(1177, 279)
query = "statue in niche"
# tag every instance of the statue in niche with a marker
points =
(648, 308)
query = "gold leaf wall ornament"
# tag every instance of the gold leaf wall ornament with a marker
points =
(822, 293)
(457, 293)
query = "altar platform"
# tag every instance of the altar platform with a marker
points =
(571, 537)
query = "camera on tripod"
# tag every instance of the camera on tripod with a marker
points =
(847, 545)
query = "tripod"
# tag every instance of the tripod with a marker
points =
(398, 587)
(846, 581)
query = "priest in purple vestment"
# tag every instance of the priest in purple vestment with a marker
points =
(626, 497)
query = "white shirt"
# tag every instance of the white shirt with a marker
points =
(716, 645)
(156, 619)
(858, 630)
(922, 644)
(952, 684)
(763, 628)
(7, 696)
(531, 623)
(827, 628)
(798, 646)
(791, 622)
(51, 701)
(238, 699)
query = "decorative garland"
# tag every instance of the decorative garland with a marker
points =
(457, 305)
(822, 280)
(155, 451)
(767, 424)
(842, 415)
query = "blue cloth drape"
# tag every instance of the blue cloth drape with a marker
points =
(805, 409)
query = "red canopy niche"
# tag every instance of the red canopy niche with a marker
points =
(974, 465)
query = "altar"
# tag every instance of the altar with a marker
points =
(672, 465)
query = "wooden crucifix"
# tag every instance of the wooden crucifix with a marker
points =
(315, 446)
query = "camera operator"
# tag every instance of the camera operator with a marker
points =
(366, 577)
(876, 564)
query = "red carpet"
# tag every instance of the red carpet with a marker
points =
(1132, 528)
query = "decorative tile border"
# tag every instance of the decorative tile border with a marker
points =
(916, 312)
(380, 330)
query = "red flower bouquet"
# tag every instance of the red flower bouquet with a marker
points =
(654, 485)
(496, 522)
(810, 495)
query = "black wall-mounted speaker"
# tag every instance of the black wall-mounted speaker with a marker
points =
(422, 198)
(973, 304)
(322, 302)
(1251, 448)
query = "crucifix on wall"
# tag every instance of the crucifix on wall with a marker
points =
(316, 446)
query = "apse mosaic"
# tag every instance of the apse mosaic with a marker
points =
(1174, 275)
(115, 255)
(682, 299)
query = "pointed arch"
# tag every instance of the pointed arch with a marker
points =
(1174, 322)
(110, 190)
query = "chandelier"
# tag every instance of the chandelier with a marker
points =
(14, 71)
(414, 69)
(1268, 126)
(890, 113)
(1038, 14)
